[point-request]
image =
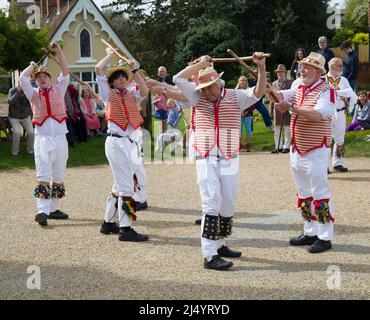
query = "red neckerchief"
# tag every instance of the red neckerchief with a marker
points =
(307, 89)
(216, 105)
(45, 93)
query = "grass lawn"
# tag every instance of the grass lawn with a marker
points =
(92, 152)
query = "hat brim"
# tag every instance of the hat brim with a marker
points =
(127, 71)
(207, 84)
(277, 70)
(323, 70)
(34, 76)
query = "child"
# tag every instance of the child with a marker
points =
(361, 118)
(51, 147)
(123, 117)
(246, 117)
(173, 114)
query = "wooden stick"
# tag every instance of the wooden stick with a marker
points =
(254, 74)
(115, 51)
(47, 52)
(230, 60)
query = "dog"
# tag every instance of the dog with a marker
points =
(6, 127)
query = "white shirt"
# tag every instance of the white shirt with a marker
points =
(246, 98)
(345, 90)
(324, 105)
(50, 127)
(104, 94)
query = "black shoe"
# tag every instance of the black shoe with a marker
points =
(131, 235)
(109, 228)
(285, 151)
(58, 215)
(340, 169)
(139, 206)
(42, 219)
(274, 151)
(198, 221)
(217, 263)
(228, 253)
(320, 246)
(303, 240)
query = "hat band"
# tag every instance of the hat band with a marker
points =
(309, 60)
(208, 77)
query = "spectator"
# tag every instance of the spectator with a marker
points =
(160, 100)
(296, 67)
(262, 108)
(20, 114)
(100, 112)
(162, 76)
(88, 108)
(325, 51)
(282, 120)
(361, 118)
(246, 117)
(77, 119)
(350, 64)
(173, 115)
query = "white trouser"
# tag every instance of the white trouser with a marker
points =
(17, 134)
(218, 184)
(339, 130)
(51, 155)
(311, 179)
(123, 157)
(285, 134)
(140, 194)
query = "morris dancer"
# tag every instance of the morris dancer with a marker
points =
(312, 105)
(345, 93)
(123, 117)
(51, 147)
(216, 141)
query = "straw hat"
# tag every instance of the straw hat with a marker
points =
(281, 68)
(207, 77)
(114, 69)
(315, 60)
(41, 70)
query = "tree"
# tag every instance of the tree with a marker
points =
(172, 31)
(18, 44)
(211, 39)
(355, 23)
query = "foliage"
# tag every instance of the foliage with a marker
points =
(170, 32)
(18, 44)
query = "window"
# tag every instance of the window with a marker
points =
(85, 44)
(88, 77)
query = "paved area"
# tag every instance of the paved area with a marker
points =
(77, 262)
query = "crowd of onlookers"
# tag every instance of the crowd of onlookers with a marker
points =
(86, 116)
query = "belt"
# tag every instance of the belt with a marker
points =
(118, 136)
(218, 157)
(339, 110)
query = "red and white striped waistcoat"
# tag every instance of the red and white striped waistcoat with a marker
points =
(122, 109)
(310, 135)
(217, 124)
(48, 104)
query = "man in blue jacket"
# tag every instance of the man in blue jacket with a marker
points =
(350, 64)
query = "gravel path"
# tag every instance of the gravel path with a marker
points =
(77, 262)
